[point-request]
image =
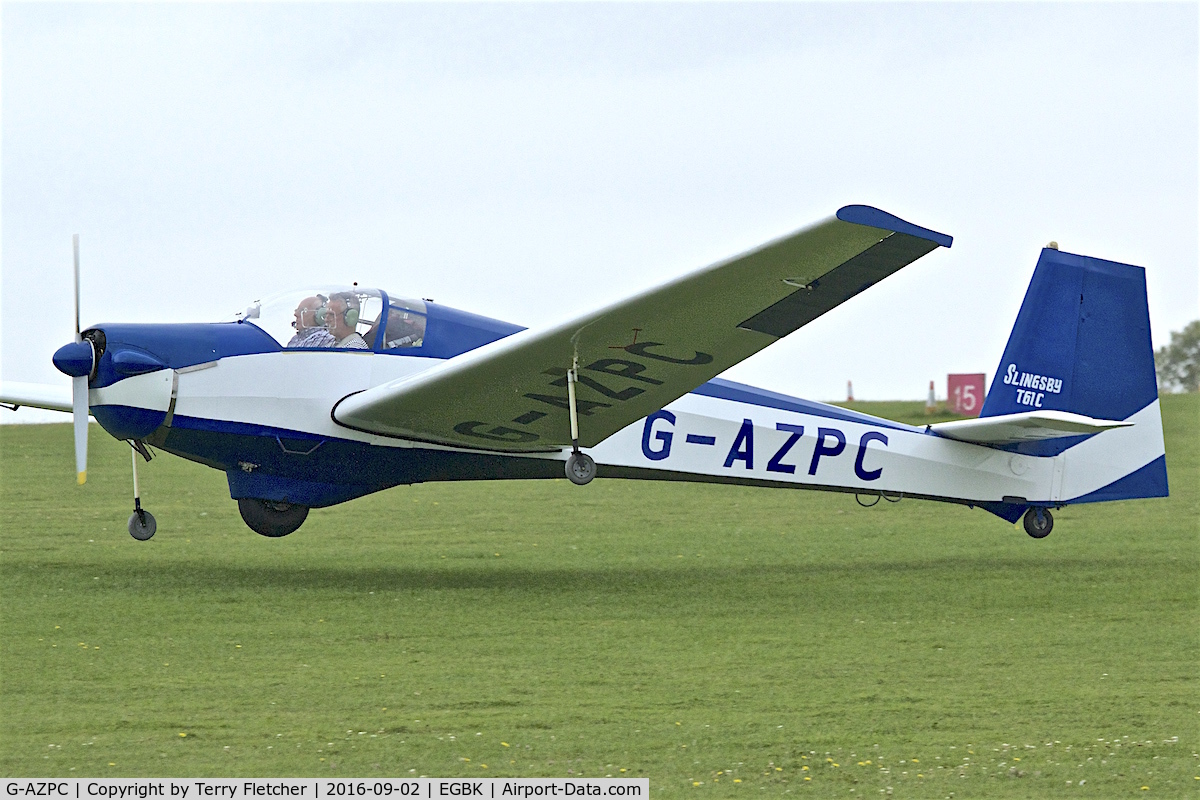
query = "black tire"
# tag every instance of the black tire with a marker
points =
(1038, 522)
(271, 518)
(142, 525)
(580, 468)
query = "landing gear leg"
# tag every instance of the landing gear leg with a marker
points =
(580, 466)
(141, 522)
(1038, 522)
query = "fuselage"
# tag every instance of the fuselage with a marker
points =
(241, 400)
(314, 397)
(264, 419)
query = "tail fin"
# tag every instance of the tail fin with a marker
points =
(1081, 344)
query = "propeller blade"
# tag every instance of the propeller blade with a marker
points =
(79, 405)
(79, 390)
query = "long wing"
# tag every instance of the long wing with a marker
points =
(1029, 426)
(638, 355)
(36, 395)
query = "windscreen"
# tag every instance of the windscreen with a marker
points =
(339, 317)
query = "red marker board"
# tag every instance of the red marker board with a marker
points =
(964, 394)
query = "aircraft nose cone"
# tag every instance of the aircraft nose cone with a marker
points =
(74, 359)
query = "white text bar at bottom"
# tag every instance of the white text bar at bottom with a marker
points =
(321, 789)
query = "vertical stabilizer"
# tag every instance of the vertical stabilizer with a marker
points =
(1081, 344)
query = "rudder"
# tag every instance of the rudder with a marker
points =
(1081, 344)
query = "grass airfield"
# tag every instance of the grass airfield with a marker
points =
(715, 639)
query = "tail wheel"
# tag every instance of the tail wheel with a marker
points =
(1038, 523)
(271, 518)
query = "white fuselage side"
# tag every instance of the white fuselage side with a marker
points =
(696, 437)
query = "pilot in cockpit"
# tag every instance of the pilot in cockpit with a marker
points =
(309, 330)
(341, 318)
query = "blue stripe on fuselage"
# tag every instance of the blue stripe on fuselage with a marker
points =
(742, 393)
(177, 345)
(314, 470)
(450, 332)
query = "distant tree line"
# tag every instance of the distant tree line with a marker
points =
(1178, 363)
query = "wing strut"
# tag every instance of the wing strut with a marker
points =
(574, 410)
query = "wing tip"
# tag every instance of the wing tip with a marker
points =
(876, 218)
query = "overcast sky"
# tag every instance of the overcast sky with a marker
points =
(530, 162)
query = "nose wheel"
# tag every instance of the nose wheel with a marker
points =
(141, 522)
(1038, 523)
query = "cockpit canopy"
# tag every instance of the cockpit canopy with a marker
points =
(340, 317)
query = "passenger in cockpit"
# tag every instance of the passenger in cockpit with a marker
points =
(309, 330)
(341, 317)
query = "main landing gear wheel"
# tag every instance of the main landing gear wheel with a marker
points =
(1038, 523)
(142, 525)
(271, 518)
(580, 468)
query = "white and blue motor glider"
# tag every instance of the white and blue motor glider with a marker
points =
(414, 391)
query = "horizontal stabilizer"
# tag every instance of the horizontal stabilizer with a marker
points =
(36, 395)
(1028, 426)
